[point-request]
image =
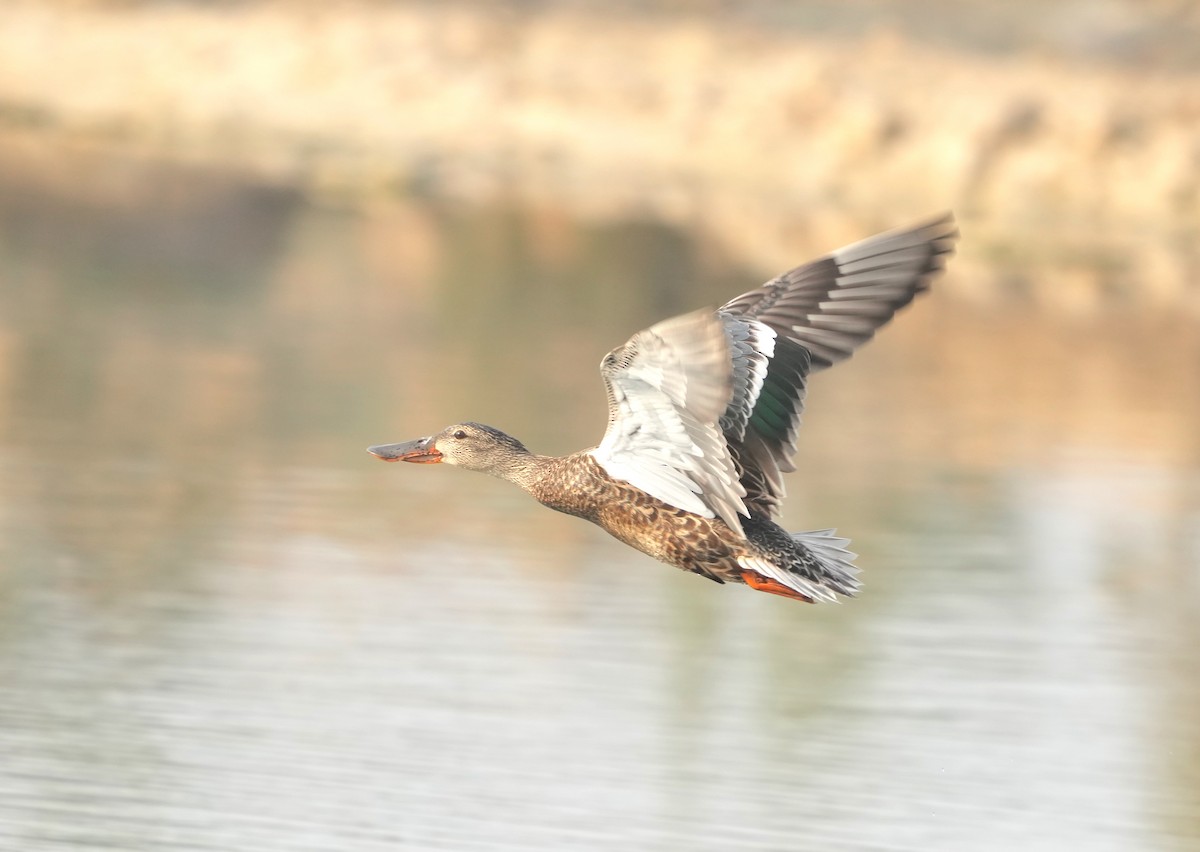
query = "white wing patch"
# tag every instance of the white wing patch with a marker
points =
(667, 387)
(752, 345)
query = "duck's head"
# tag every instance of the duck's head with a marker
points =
(470, 445)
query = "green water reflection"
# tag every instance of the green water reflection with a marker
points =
(224, 626)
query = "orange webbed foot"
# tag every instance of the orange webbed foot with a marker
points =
(757, 581)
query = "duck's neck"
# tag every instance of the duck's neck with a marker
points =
(562, 483)
(522, 468)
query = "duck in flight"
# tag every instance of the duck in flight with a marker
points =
(703, 411)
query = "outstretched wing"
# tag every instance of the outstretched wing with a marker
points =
(667, 388)
(835, 304)
(817, 315)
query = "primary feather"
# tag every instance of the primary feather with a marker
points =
(820, 313)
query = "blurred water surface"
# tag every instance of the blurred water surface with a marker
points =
(224, 626)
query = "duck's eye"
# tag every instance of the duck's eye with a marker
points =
(460, 434)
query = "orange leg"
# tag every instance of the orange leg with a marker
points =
(757, 581)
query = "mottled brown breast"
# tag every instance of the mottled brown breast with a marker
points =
(578, 485)
(573, 484)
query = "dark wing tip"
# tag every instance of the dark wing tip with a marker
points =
(833, 305)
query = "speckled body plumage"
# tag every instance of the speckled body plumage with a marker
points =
(577, 485)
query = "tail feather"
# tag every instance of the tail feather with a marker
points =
(835, 561)
(820, 568)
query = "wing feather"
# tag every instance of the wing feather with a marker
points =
(873, 278)
(667, 388)
(820, 314)
(704, 408)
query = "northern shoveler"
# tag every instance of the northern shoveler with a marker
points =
(703, 413)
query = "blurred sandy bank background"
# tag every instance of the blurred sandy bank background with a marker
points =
(1066, 137)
